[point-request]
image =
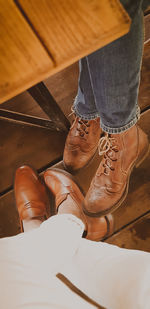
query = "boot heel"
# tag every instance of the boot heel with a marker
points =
(139, 162)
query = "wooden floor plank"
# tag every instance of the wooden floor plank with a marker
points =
(144, 90)
(25, 104)
(9, 223)
(23, 59)
(135, 236)
(20, 144)
(62, 86)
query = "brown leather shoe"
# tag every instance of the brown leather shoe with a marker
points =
(109, 186)
(30, 194)
(69, 200)
(81, 143)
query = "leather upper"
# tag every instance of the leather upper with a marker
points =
(81, 143)
(110, 183)
(30, 194)
(62, 186)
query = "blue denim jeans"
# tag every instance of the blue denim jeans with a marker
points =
(109, 78)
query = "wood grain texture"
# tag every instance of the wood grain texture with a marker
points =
(24, 144)
(39, 38)
(144, 90)
(33, 33)
(22, 57)
(62, 86)
(73, 28)
(135, 236)
(9, 223)
(147, 27)
(46, 101)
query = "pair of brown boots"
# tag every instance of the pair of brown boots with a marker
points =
(32, 200)
(120, 154)
(108, 189)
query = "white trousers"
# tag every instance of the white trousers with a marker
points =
(113, 277)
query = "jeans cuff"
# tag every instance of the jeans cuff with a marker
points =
(123, 128)
(85, 117)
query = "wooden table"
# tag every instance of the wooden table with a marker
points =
(40, 37)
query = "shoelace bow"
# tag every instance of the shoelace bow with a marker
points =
(107, 147)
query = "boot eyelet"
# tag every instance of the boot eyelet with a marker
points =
(81, 134)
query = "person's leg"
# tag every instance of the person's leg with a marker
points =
(115, 74)
(32, 201)
(30, 261)
(113, 277)
(50, 245)
(109, 82)
(82, 140)
(29, 225)
(69, 199)
(108, 87)
(84, 104)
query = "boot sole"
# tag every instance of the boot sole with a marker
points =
(137, 163)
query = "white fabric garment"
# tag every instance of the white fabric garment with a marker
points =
(113, 277)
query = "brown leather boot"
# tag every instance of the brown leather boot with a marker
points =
(30, 194)
(109, 186)
(81, 143)
(69, 200)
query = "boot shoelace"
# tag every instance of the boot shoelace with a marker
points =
(108, 147)
(82, 126)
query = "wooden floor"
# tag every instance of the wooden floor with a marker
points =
(19, 145)
(42, 148)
